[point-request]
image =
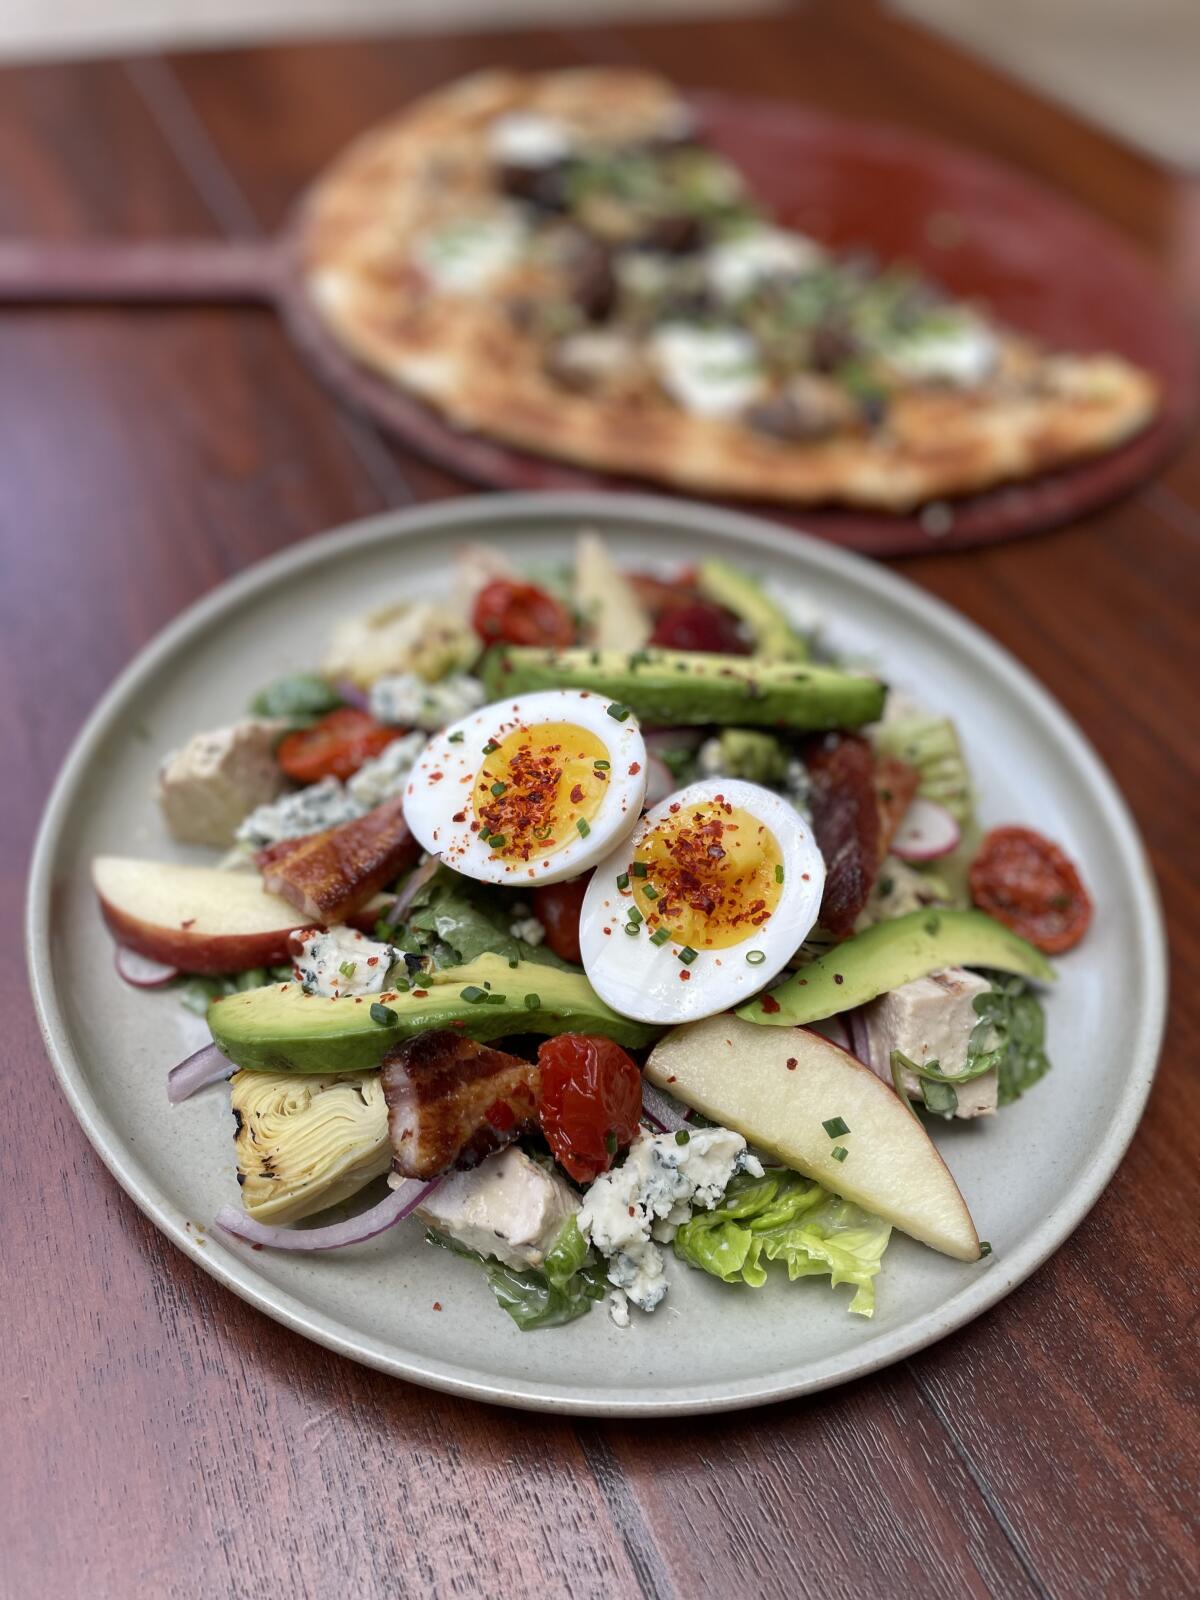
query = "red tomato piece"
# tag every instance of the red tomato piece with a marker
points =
(1028, 884)
(335, 747)
(700, 625)
(521, 613)
(557, 907)
(590, 1104)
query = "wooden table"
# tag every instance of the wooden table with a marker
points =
(159, 1437)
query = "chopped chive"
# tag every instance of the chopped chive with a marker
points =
(650, 892)
(456, 738)
(347, 968)
(756, 957)
(985, 1248)
(487, 983)
(496, 840)
(543, 832)
(473, 994)
(635, 915)
(682, 1136)
(687, 955)
(632, 929)
(602, 766)
(533, 1002)
(617, 712)
(835, 1127)
(639, 869)
(490, 747)
(659, 936)
(513, 963)
(498, 789)
(610, 1142)
(483, 833)
(496, 1000)
(779, 873)
(622, 880)
(402, 984)
(584, 828)
(384, 1015)
(839, 1152)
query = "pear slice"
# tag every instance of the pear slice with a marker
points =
(778, 1086)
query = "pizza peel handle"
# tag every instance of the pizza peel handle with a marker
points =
(149, 272)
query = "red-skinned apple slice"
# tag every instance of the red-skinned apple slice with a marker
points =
(779, 1086)
(198, 919)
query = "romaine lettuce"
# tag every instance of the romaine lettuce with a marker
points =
(562, 1289)
(454, 920)
(785, 1217)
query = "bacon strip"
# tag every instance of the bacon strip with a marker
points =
(331, 874)
(845, 814)
(895, 790)
(451, 1101)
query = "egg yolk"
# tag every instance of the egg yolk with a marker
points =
(539, 788)
(709, 874)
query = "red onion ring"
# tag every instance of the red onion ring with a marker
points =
(409, 889)
(207, 1066)
(658, 1108)
(140, 972)
(394, 1207)
(352, 694)
(860, 1038)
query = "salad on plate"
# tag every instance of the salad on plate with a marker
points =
(604, 924)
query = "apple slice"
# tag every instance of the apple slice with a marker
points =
(779, 1086)
(199, 919)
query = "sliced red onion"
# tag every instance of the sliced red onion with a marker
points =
(197, 1072)
(410, 888)
(860, 1038)
(836, 1032)
(927, 832)
(352, 694)
(396, 1205)
(140, 971)
(666, 1114)
(660, 780)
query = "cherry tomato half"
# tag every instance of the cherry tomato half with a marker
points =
(521, 613)
(557, 907)
(335, 747)
(591, 1101)
(1028, 884)
(700, 625)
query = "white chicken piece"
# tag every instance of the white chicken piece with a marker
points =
(509, 1207)
(206, 788)
(931, 1019)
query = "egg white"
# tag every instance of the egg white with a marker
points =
(641, 979)
(440, 786)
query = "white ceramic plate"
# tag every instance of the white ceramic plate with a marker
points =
(1029, 1175)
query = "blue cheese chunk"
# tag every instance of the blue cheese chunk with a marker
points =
(509, 1206)
(405, 700)
(341, 961)
(321, 805)
(627, 1212)
(380, 779)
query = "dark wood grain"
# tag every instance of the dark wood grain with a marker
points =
(158, 1437)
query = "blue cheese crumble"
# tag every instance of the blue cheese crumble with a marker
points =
(628, 1212)
(341, 961)
(385, 776)
(405, 700)
(321, 805)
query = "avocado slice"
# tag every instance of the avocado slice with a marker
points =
(689, 686)
(279, 1028)
(889, 954)
(773, 635)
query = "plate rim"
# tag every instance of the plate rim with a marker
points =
(475, 514)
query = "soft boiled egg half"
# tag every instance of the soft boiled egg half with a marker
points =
(530, 790)
(705, 901)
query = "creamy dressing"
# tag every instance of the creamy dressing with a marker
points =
(962, 353)
(341, 961)
(711, 372)
(738, 265)
(523, 139)
(465, 255)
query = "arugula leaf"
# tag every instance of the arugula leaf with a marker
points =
(1011, 1015)
(453, 920)
(542, 1297)
(784, 1217)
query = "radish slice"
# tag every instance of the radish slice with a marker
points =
(398, 1204)
(140, 972)
(927, 832)
(207, 1066)
(660, 781)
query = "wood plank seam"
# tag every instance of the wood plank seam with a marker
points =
(620, 1496)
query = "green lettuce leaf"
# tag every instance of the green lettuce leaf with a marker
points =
(1012, 1022)
(564, 1288)
(785, 1217)
(453, 920)
(299, 697)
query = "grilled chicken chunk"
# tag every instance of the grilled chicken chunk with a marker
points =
(451, 1101)
(331, 874)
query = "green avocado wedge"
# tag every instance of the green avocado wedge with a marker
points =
(890, 954)
(773, 635)
(279, 1028)
(690, 686)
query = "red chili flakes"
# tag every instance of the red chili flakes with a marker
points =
(525, 812)
(634, 768)
(437, 1305)
(792, 1063)
(419, 994)
(436, 777)
(576, 794)
(190, 923)
(684, 975)
(459, 816)
(770, 1005)
(837, 978)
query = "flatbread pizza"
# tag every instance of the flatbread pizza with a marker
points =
(559, 262)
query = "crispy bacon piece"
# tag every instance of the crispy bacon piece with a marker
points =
(451, 1101)
(845, 814)
(895, 790)
(331, 874)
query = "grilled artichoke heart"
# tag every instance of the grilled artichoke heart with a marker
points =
(304, 1143)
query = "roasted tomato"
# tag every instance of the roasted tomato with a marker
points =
(557, 907)
(699, 625)
(590, 1103)
(1028, 884)
(521, 613)
(335, 747)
